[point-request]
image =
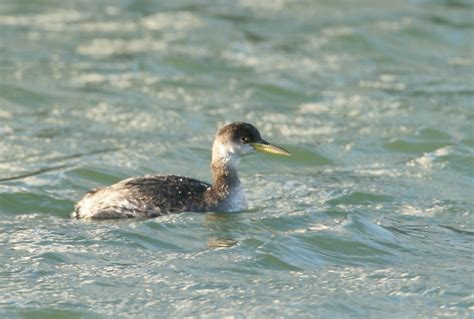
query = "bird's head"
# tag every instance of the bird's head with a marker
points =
(238, 139)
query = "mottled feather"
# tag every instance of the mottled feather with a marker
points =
(155, 195)
(147, 196)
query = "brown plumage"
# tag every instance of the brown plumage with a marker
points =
(155, 195)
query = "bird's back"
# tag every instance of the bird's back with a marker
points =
(147, 196)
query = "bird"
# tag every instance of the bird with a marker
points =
(156, 195)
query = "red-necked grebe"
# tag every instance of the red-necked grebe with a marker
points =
(155, 195)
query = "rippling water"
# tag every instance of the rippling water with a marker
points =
(370, 217)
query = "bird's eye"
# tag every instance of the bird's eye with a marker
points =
(244, 139)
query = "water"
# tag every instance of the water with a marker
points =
(370, 217)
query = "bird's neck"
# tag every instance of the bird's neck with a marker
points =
(224, 175)
(224, 167)
(226, 193)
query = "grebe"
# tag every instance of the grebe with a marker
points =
(155, 195)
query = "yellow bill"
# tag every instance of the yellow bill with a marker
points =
(266, 147)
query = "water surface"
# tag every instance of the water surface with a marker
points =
(370, 217)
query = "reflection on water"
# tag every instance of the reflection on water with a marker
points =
(221, 225)
(215, 242)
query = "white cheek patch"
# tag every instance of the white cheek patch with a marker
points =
(228, 154)
(247, 149)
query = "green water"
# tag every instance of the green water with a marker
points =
(370, 217)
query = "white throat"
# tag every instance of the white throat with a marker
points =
(236, 201)
(225, 159)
